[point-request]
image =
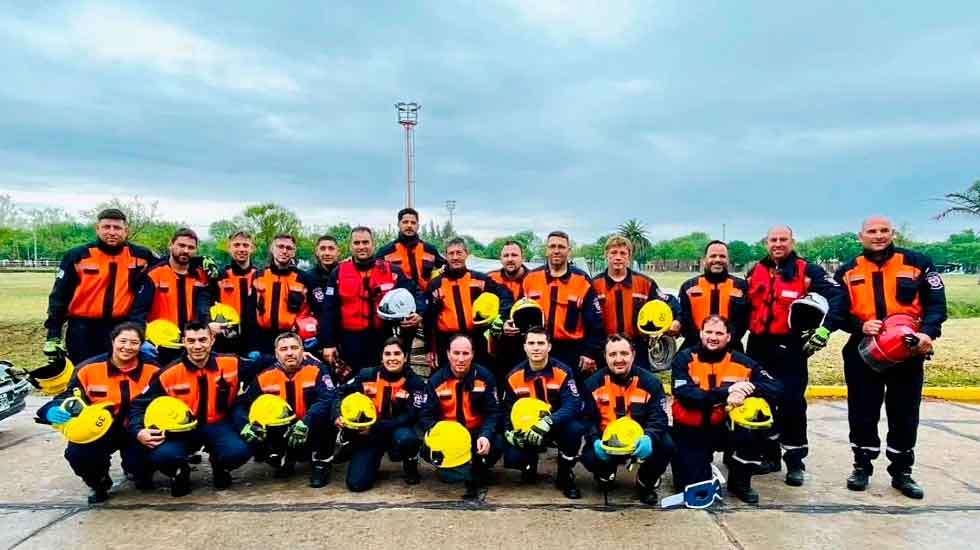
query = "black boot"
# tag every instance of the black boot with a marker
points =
(320, 474)
(794, 476)
(410, 469)
(858, 480)
(907, 485)
(565, 479)
(472, 491)
(180, 484)
(144, 482)
(647, 495)
(529, 475)
(100, 490)
(740, 486)
(286, 470)
(220, 478)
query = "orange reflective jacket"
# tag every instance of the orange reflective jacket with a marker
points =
(385, 394)
(101, 381)
(106, 283)
(622, 300)
(562, 299)
(209, 392)
(175, 296)
(771, 296)
(456, 402)
(709, 376)
(709, 298)
(543, 387)
(299, 390)
(614, 401)
(234, 288)
(417, 261)
(280, 297)
(879, 291)
(456, 296)
(515, 285)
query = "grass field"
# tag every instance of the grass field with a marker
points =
(957, 361)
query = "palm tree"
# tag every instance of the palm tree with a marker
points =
(967, 202)
(633, 230)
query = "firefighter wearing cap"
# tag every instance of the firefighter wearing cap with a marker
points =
(234, 287)
(715, 292)
(705, 379)
(350, 330)
(94, 289)
(623, 390)
(883, 281)
(573, 316)
(398, 394)
(207, 383)
(506, 344)
(622, 292)
(775, 283)
(307, 388)
(416, 258)
(116, 379)
(451, 296)
(466, 393)
(547, 379)
(280, 294)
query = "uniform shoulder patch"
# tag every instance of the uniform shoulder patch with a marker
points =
(935, 280)
(59, 274)
(327, 381)
(573, 388)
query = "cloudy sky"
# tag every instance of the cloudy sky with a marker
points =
(536, 115)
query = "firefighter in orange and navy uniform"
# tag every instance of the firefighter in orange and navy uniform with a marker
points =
(450, 296)
(623, 389)
(118, 378)
(94, 289)
(207, 383)
(350, 330)
(280, 294)
(467, 393)
(705, 379)
(507, 348)
(716, 292)
(774, 284)
(572, 313)
(622, 292)
(234, 286)
(416, 259)
(882, 281)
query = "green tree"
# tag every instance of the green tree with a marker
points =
(139, 214)
(967, 202)
(739, 253)
(636, 233)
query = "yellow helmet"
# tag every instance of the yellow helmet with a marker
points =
(52, 379)
(357, 411)
(223, 313)
(754, 413)
(270, 411)
(435, 273)
(654, 318)
(527, 412)
(90, 422)
(169, 414)
(621, 435)
(526, 313)
(447, 445)
(163, 334)
(486, 308)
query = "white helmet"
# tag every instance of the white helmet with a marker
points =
(396, 305)
(808, 313)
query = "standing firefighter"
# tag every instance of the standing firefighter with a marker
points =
(234, 288)
(714, 292)
(896, 305)
(280, 295)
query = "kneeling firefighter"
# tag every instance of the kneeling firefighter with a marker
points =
(92, 412)
(286, 412)
(625, 421)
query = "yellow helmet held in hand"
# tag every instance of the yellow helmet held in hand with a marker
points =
(357, 411)
(754, 413)
(53, 378)
(90, 422)
(169, 414)
(223, 313)
(270, 411)
(654, 318)
(163, 334)
(447, 445)
(526, 313)
(527, 412)
(486, 308)
(620, 436)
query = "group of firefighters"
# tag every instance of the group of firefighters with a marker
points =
(162, 357)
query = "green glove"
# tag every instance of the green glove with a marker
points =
(253, 433)
(496, 327)
(816, 342)
(298, 433)
(535, 436)
(210, 267)
(515, 439)
(54, 347)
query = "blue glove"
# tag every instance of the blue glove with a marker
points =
(600, 453)
(644, 448)
(149, 351)
(253, 356)
(57, 415)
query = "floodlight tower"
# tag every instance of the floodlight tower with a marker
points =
(451, 206)
(408, 117)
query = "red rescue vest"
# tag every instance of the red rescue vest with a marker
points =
(770, 296)
(361, 292)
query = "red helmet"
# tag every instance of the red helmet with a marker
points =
(892, 345)
(306, 327)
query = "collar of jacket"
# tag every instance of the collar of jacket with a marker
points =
(364, 265)
(191, 268)
(455, 274)
(393, 376)
(110, 250)
(548, 367)
(716, 278)
(238, 270)
(786, 268)
(132, 373)
(290, 267)
(882, 256)
(709, 356)
(288, 374)
(211, 365)
(622, 379)
(564, 278)
(626, 282)
(321, 272)
(521, 272)
(410, 242)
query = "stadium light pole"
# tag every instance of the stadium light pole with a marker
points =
(408, 117)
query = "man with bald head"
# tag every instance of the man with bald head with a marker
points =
(775, 283)
(884, 281)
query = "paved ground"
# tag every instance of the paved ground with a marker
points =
(42, 505)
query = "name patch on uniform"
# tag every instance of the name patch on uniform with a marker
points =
(328, 291)
(934, 280)
(679, 383)
(790, 294)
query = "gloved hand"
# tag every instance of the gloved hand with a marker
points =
(53, 347)
(515, 439)
(644, 448)
(210, 267)
(816, 342)
(57, 415)
(253, 356)
(298, 434)
(600, 453)
(496, 327)
(253, 433)
(149, 351)
(535, 436)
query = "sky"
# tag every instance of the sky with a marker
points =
(536, 115)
